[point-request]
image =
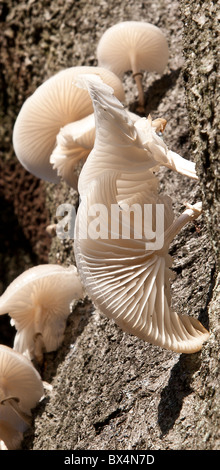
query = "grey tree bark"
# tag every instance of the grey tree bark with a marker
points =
(111, 390)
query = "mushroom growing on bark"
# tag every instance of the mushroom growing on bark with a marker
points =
(128, 277)
(135, 147)
(55, 103)
(38, 301)
(21, 389)
(73, 145)
(125, 274)
(135, 46)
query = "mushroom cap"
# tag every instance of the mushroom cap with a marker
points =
(133, 45)
(108, 154)
(127, 282)
(74, 143)
(136, 147)
(38, 301)
(19, 378)
(54, 104)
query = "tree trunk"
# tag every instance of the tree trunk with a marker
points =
(110, 389)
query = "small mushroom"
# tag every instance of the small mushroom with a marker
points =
(127, 281)
(51, 107)
(125, 144)
(21, 388)
(136, 46)
(38, 301)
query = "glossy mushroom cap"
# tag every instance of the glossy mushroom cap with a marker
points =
(20, 390)
(56, 103)
(128, 281)
(133, 45)
(38, 301)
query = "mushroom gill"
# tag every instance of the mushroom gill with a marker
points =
(21, 388)
(122, 143)
(38, 302)
(126, 280)
(135, 46)
(53, 105)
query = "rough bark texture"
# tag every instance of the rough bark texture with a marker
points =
(111, 390)
(201, 78)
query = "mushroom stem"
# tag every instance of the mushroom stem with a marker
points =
(138, 79)
(190, 213)
(2, 394)
(39, 348)
(14, 404)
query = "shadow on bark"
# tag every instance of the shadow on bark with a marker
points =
(157, 91)
(178, 388)
(180, 378)
(76, 323)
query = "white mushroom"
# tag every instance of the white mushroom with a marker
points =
(73, 145)
(21, 389)
(38, 301)
(127, 281)
(51, 107)
(136, 46)
(123, 144)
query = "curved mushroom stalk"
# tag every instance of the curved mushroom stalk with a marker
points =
(136, 146)
(138, 77)
(135, 46)
(127, 280)
(38, 302)
(39, 348)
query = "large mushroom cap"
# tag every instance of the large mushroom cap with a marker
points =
(133, 45)
(38, 301)
(54, 104)
(126, 281)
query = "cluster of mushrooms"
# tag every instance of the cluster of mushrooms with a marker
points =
(75, 127)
